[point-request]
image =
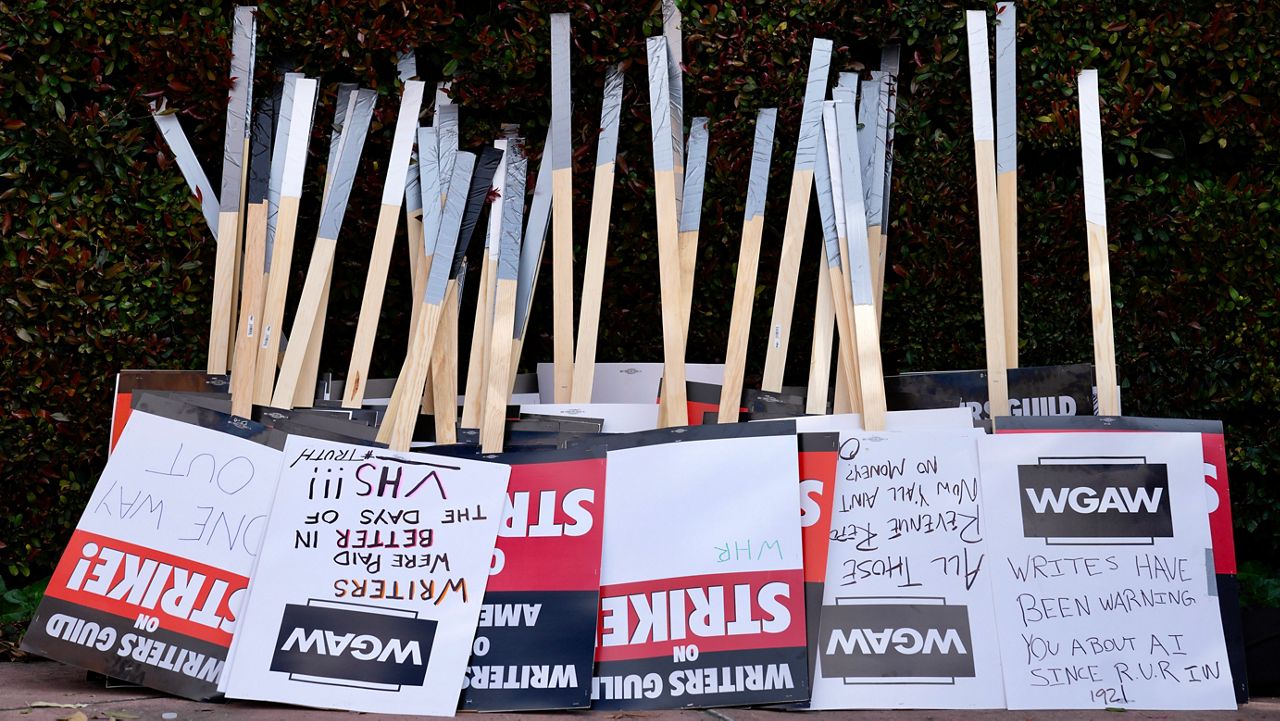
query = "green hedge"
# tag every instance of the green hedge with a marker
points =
(105, 258)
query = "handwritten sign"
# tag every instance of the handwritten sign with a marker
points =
(818, 462)
(907, 619)
(702, 587)
(535, 645)
(1103, 575)
(151, 586)
(369, 586)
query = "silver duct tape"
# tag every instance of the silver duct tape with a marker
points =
(854, 205)
(341, 106)
(811, 117)
(492, 236)
(402, 142)
(413, 184)
(833, 160)
(355, 128)
(512, 211)
(442, 94)
(846, 81)
(826, 200)
(1095, 201)
(244, 32)
(675, 93)
(459, 182)
(867, 129)
(1006, 87)
(302, 114)
(407, 66)
(695, 176)
(535, 234)
(610, 116)
(192, 171)
(761, 158)
(984, 127)
(889, 62)
(875, 193)
(429, 175)
(275, 185)
(660, 104)
(561, 102)
(447, 140)
(260, 155)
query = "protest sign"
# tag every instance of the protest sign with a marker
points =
(535, 643)
(129, 381)
(1219, 505)
(1036, 391)
(368, 589)
(907, 618)
(617, 417)
(150, 588)
(701, 576)
(818, 461)
(1102, 571)
(628, 382)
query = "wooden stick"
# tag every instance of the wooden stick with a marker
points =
(384, 235)
(407, 69)
(315, 289)
(861, 288)
(507, 272)
(797, 217)
(744, 291)
(584, 364)
(235, 153)
(252, 293)
(691, 215)
(872, 139)
(429, 201)
(846, 86)
(192, 170)
(824, 317)
(562, 209)
(1007, 168)
(402, 412)
(988, 212)
(482, 325)
(531, 253)
(827, 172)
(294, 135)
(1095, 213)
(673, 378)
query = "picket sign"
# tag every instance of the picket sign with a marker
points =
(744, 289)
(342, 618)
(797, 215)
(988, 212)
(151, 586)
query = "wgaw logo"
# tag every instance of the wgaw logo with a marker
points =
(1095, 500)
(921, 641)
(369, 649)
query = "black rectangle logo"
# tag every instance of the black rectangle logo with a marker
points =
(353, 648)
(895, 640)
(1095, 500)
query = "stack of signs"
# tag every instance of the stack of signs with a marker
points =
(1103, 575)
(702, 600)
(907, 619)
(535, 644)
(368, 588)
(152, 585)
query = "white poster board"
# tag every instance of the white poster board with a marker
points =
(629, 382)
(369, 585)
(907, 618)
(617, 417)
(1104, 578)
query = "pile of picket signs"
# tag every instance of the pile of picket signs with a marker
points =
(801, 562)
(606, 535)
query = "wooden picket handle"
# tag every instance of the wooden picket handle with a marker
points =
(506, 279)
(988, 213)
(744, 290)
(824, 322)
(482, 324)
(797, 217)
(248, 327)
(828, 183)
(1095, 213)
(444, 369)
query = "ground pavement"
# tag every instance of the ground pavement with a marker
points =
(29, 690)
